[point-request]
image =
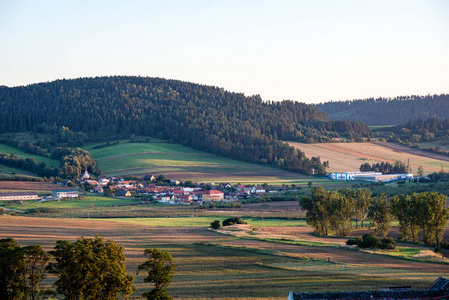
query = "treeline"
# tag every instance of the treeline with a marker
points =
(387, 111)
(28, 164)
(422, 214)
(384, 167)
(422, 130)
(203, 117)
(72, 163)
(90, 268)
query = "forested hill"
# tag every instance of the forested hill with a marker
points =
(204, 117)
(381, 111)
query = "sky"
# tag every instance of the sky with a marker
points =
(307, 51)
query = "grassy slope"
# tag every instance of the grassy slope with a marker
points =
(344, 157)
(183, 163)
(48, 161)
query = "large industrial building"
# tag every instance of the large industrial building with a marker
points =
(18, 196)
(369, 176)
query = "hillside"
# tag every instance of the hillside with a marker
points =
(347, 157)
(158, 157)
(203, 117)
(385, 111)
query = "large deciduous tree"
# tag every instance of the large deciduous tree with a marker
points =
(90, 268)
(380, 213)
(160, 269)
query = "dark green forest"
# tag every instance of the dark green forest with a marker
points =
(203, 117)
(386, 111)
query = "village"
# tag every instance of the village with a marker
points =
(158, 189)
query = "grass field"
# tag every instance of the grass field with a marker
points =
(89, 201)
(220, 266)
(48, 161)
(345, 157)
(178, 162)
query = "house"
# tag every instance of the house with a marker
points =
(213, 195)
(66, 182)
(103, 181)
(61, 194)
(438, 290)
(239, 187)
(257, 189)
(124, 193)
(185, 199)
(18, 196)
(98, 189)
(175, 182)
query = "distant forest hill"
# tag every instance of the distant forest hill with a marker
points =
(203, 117)
(383, 111)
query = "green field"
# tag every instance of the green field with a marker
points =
(6, 170)
(89, 201)
(175, 161)
(48, 161)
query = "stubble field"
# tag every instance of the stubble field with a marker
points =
(347, 157)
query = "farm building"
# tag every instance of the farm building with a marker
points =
(124, 193)
(18, 196)
(212, 195)
(60, 194)
(369, 176)
(438, 290)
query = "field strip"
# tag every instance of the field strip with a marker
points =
(418, 152)
(345, 256)
(143, 153)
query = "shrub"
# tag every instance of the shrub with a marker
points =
(368, 241)
(216, 224)
(387, 243)
(351, 242)
(445, 245)
(437, 249)
(232, 221)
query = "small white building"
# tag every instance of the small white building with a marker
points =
(61, 194)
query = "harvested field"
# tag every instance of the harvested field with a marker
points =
(8, 186)
(346, 157)
(213, 265)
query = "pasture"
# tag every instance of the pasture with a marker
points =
(346, 157)
(48, 161)
(175, 161)
(244, 263)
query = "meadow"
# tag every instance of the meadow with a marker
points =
(182, 163)
(249, 262)
(48, 161)
(346, 157)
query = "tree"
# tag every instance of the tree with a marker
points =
(90, 268)
(12, 270)
(342, 208)
(380, 213)
(317, 210)
(362, 202)
(216, 224)
(420, 171)
(160, 269)
(35, 259)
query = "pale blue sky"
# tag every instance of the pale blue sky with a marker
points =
(310, 51)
